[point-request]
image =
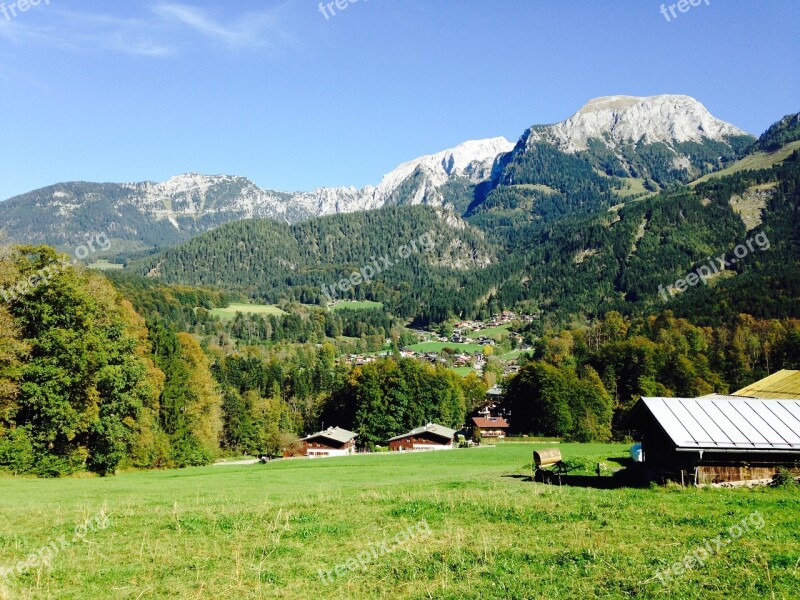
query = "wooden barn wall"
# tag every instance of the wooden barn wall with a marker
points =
(744, 466)
(744, 472)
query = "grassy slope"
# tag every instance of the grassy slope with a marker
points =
(264, 531)
(753, 162)
(512, 355)
(633, 187)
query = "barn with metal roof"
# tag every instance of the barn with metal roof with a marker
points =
(784, 384)
(718, 438)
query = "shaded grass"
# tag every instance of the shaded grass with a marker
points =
(264, 531)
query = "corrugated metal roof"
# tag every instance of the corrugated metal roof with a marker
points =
(723, 422)
(444, 432)
(333, 433)
(783, 384)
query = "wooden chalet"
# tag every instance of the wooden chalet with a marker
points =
(490, 427)
(429, 437)
(333, 441)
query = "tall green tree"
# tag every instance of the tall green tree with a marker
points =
(85, 382)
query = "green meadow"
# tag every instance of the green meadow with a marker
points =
(753, 162)
(229, 312)
(490, 332)
(104, 265)
(483, 531)
(438, 346)
(357, 305)
(464, 371)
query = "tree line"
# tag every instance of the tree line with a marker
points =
(87, 383)
(580, 383)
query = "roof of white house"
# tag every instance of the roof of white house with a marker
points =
(333, 433)
(438, 430)
(725, 422)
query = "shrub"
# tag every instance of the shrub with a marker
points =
(16, 451)
(784, 478)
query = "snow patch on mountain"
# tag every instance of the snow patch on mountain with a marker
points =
(472, 159)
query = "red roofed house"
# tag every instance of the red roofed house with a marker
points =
(491, 427)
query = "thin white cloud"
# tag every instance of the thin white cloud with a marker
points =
(255, 29)
(72, 30)
(156, 35)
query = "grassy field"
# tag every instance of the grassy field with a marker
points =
(104, 265)
(512, 355)
(633, 187)
(252, 309)
(437, 347)
(530, 440)
(448, 525)
(464, 371)
(363, 305)
(753, 162)
(491, 332)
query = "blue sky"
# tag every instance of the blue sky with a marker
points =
(272, 90)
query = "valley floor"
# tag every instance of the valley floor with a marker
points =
(459, 524)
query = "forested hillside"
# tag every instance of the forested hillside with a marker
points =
(553, 235)
(580, 382)
(270, 261)
(86, 383)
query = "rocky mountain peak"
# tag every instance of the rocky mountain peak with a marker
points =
(622, 120)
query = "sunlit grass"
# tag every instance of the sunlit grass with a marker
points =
(229, 312)
(265, 531)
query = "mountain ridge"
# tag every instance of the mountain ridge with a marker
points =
(144, 216)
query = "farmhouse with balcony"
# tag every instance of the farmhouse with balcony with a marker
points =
(490, 427)
(429, 437)
(333, 441)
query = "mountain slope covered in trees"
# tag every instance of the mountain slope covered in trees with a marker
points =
(565, 245)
